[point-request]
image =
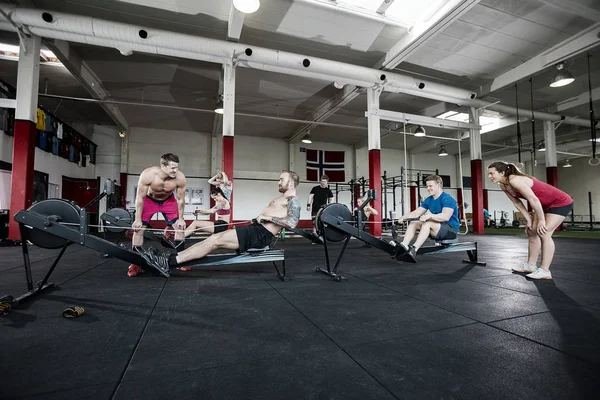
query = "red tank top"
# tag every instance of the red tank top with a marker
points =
(548, 195)
(223, 212)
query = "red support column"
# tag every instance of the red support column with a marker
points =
(123, 183)
(485, 200)
(23, 156)
(227, 163)
(461, 203)
(477, 195)
(413, 198)
(375, 183)
(552, 176)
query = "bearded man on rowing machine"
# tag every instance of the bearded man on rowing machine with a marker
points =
(282, 212)
(437, 218)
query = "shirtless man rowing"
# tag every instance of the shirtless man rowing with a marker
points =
(161, 189)
(282, 212)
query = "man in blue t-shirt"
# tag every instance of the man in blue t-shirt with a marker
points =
(437, 217)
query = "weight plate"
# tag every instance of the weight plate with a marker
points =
(67, 213)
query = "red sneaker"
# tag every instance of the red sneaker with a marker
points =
(134, 270)
(185, 269)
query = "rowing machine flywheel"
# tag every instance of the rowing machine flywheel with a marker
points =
(55, 210)
(339, 212)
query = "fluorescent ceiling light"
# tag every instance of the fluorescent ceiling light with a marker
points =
(411, 11)
(597, 140)
(11, 52)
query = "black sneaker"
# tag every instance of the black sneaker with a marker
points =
(411, 255)
(401, 250)
(156, 259)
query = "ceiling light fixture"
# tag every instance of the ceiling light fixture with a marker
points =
(542, 146)
(219, 106)
(443, 151)
(420, 131)
(338, 85)
(567, 164)
(122, 134)
(246, 6)
(562, 77)
(307, 139)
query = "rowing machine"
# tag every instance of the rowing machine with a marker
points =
(58, 223)
(331, 224)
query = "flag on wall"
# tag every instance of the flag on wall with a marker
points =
(324, 162)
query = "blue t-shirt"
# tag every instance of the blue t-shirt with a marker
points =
(444, 201)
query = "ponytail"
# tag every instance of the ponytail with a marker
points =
(508, 168)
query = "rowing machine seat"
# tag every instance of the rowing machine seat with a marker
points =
(447, 241)
(258, 250)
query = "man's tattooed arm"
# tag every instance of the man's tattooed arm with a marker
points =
(293, 214)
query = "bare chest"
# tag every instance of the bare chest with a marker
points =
(163, 186)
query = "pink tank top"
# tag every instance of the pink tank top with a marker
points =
(548, 195)
(223, 212)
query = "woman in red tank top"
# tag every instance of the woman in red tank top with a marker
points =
(222, 209)
(550, 206)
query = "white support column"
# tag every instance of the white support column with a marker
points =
(474, 135)
(291, 156)
(28, 78)
(228, 100)
(550, 141)
(373, 121)
(124, 156)
(374, 141)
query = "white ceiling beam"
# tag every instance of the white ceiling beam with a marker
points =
(416, 41)
(8, 103)
(576, 44)
(421, 33)
(235, 24)
(575, 8)
(395, 116)
(583, 98)
(87, 78)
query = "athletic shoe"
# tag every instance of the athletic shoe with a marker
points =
(411, 255)
(184, 269)
(401, 249)
(526, 267)
(540, 273)
(134, 270)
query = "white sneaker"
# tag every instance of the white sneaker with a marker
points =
(540, 273)
(526, 267)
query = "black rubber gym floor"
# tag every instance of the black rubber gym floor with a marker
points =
(438, 329)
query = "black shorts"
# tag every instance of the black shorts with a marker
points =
(253, 236)
(564, 210)
(446, 232)
(220, 226)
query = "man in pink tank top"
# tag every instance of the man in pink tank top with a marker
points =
(550, 205)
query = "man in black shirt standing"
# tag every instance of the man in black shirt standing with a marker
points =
(318, 197)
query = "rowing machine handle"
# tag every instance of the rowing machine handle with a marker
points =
(52, 219)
